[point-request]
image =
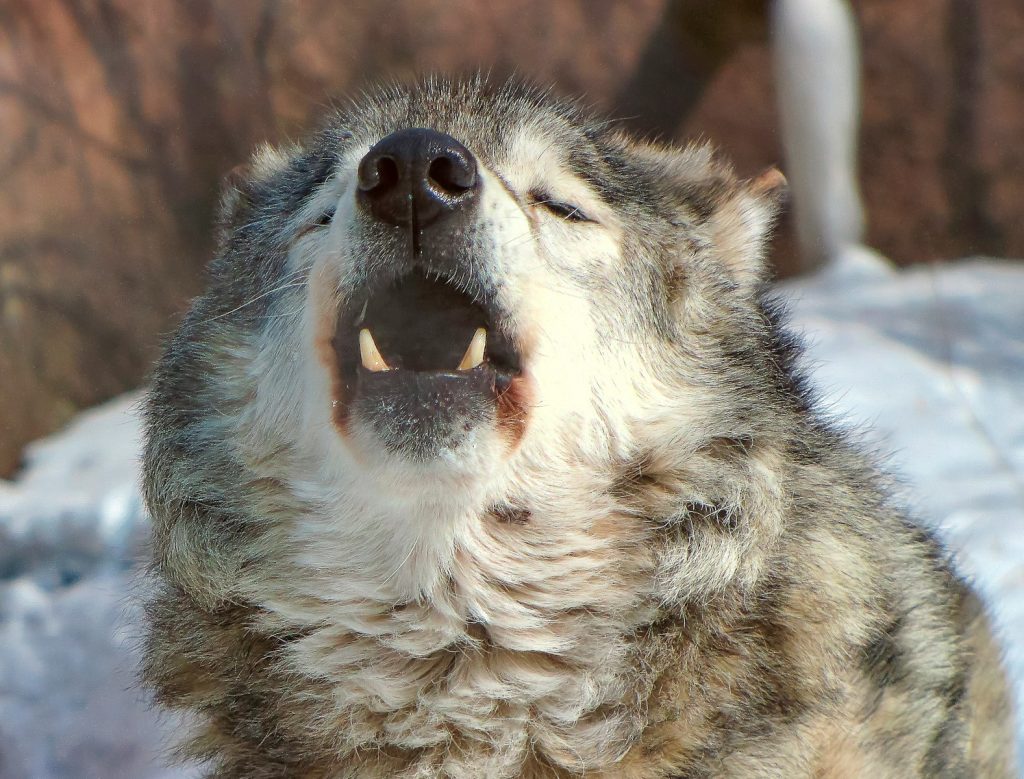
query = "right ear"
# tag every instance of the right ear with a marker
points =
(238, 187)
(235, 196)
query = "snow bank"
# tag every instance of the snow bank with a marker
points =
(927, 364)
(71, 529)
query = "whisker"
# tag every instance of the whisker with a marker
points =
(287, 285)
(293, 312)
(401, 565)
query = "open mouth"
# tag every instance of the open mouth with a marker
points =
(424, 363)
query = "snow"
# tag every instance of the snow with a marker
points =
(71, 530)
(925, 365)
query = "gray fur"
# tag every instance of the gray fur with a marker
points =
(672, 566)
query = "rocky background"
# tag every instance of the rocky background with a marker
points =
(118, 118)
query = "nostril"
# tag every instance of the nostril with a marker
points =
(451, 176)
(377, 176)
(416, 176)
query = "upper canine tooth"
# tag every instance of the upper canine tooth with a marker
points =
(475, 353)
(368, 350)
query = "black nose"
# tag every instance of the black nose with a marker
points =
(417, 176)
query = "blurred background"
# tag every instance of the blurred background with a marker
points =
(119, 118)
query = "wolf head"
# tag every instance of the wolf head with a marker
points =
(455, 302)
(478, 386)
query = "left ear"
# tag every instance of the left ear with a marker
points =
(741, 225)
(734, 218)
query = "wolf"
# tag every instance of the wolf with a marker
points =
(485, 454)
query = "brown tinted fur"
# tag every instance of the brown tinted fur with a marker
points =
(756, 604)
(839, 663)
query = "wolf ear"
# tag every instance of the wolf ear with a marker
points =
(741, 223)
(732, 219)
(235, 196)
(238, 187)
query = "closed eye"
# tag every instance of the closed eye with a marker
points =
(560, 208)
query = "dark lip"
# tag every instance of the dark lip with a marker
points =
(420, 412)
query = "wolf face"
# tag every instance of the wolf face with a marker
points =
(496, 269)
(470, 292)
(482, 455)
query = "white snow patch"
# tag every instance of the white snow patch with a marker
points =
(71, 528)
(927, 364)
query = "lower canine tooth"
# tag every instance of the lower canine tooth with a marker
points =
(369, 352)
(475, 353)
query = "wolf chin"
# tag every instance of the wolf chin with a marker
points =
(484, 455)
